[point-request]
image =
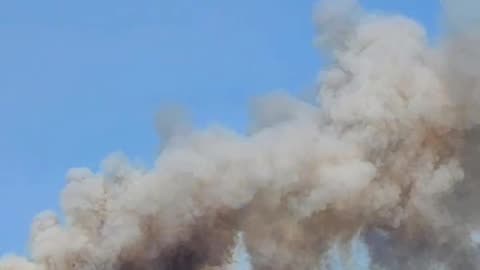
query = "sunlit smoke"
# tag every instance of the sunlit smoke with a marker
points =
(385, 157)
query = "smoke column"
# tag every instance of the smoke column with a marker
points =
(388, 151)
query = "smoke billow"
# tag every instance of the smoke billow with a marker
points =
(388, 152)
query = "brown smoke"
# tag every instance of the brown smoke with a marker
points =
(388, 152)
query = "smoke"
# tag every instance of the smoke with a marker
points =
(388, 152)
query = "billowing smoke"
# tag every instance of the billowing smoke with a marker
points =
(389, 152)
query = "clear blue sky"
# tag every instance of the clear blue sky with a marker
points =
(81, 79)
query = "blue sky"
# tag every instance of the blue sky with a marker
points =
(81, 79)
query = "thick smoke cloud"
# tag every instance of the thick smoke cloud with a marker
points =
(388, 152)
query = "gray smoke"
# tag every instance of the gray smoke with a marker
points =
(388, 151)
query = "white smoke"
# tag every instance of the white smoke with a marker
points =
(382, 154)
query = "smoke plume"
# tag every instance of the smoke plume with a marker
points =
(388, 151)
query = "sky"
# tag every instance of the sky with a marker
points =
(82, 79)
